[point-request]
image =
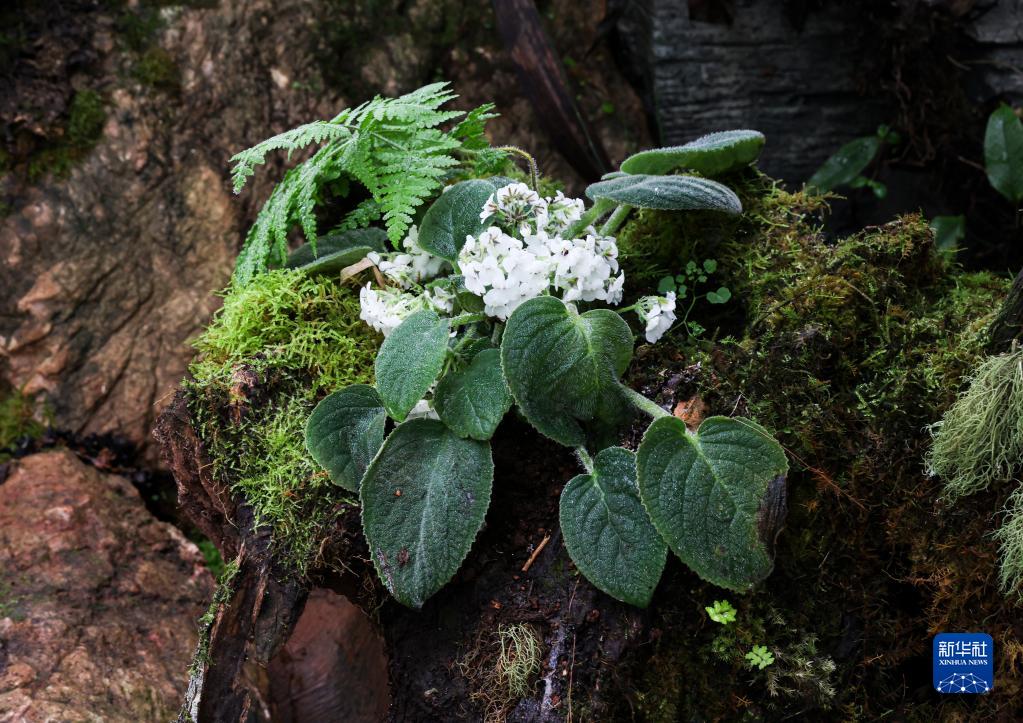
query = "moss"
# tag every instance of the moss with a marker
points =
(289, 338)
(848, 349)
(221, 596)
(157, 69)
(18, 420)
(288, 320)
(86, 117)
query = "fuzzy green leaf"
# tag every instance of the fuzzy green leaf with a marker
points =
(424, 498)
(452, 217)
(673, 193)
(712, 155)
(472, 401)
(607, 531)
(344, 433)
(562, 367)
(409, 361)
(1003, 153)
(846, 164)
(717, 497)
(337, 250)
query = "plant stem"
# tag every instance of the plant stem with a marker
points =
(534, 173)
(584, 459)
(590, 216)
(643, 404)
(615, 220)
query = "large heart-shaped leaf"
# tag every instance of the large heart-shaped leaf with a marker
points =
(472, 401)
(608, 533)
(336, 251)
(846, 164)
(409, 361)
(1003, 153)
(717, 497)
(672, 193)
(424, 498)
(453, 216)
(345, 431)
(562, 367)
(711, 155)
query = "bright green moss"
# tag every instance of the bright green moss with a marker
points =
(288, 320)
(17, 420)
(292, 338)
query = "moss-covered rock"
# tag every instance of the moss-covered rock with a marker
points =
(278, 345)
(847, 349)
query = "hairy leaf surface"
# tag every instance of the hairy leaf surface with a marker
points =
(345, 431)
(716, 497)
(335, 251)
(409, 361)
(563, 367)
(424, 498)
(711, 155)
(679, 193)
(608, 533)
(472, 401)
(452, 217)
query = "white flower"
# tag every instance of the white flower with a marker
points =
(558, 213)
(384, 310)
(658, 313)
(513, 205)
(423, 410)
(440, 299)
(498, 268)
(410, 268)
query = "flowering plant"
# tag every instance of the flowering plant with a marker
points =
(500, 297)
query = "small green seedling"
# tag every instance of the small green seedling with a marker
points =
(760, 657)
(721, 612)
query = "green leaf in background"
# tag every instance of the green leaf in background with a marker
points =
(345, 431)
(717, 497)
(454, 215)
(712, 155)
(679, 193)
(424, 498)
(336, 251)
(563, 367)
(1003, 153)
(607, 532)
(409, 361)
(472, 402)
(721, 296)
(948, 231)
(846, 164)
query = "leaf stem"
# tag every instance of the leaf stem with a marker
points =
(616, 219)
(534, 173)
(590, 216)
(643, 404)
(584, 459)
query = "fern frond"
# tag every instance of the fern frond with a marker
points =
(393, 146)
(295, 139)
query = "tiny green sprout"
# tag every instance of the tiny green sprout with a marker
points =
(721, 612)
(721, 296)
(760, 656)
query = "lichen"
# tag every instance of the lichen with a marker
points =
(502, 668)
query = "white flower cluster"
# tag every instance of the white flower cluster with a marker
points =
(411, 268)
(658, 313)
(384, 309)
(506, 270)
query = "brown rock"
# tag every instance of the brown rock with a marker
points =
(98, 599)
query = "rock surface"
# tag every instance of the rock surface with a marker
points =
(109, 270)
(98, 600)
